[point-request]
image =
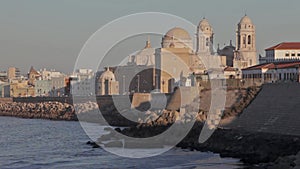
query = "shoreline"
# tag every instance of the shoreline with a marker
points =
(262, 150)
(258, 150)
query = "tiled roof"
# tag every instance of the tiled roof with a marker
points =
(275, 65)
(230, 69)
(285, 45)
(33, 71)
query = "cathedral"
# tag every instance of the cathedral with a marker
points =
(177, 62)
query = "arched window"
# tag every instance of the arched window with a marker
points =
(239, 39)
(207, 41)
(244, 40)
(249, 39)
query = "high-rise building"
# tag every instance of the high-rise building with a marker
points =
(13, 73)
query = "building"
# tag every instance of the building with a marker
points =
(13, 73)
(144, 57)
(43, 87)
(2, 84)
(228, 52)
(3, 76)
(107, 84)
(178, 63)
(54, 87)
(18, 88)
(205, 38)
(135, 79)
(33, 75)
(58, 86)
(285, 51)
(231, 73)
(273, 72)
(49, 74)
(245, 54)
(82, 83)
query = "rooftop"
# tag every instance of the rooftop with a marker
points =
(275, 65)
(285, 46)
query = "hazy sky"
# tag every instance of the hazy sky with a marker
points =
(51, 33)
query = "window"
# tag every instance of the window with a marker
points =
(287, 54)
(207, 41)
(249, 40)
(293, 54)
(244, 40)
(298, 54)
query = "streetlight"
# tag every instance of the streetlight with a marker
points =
(138, 86)
(124, 85)
(163, 86)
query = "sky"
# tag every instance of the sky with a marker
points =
(51, 33)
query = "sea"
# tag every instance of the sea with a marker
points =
(35, 144)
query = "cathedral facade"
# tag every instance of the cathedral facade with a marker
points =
(177, 62)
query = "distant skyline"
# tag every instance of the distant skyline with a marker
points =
(50, 34)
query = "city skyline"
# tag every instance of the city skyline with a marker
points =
(51, 34)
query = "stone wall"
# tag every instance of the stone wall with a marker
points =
(6, 100)
(275, 110)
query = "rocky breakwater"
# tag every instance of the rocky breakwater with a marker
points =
(43, 110)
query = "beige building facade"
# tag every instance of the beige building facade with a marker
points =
(107, 84)
(245, 53)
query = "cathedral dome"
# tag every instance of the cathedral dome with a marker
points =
(177, 33)
(245, 20)
(178, 37)
(107, 75)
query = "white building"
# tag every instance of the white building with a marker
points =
(82, 82)
(144, 57)
(285, 51)
(273, 72)
(48, 74)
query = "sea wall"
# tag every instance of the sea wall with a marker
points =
(118, 110)
(276, 109)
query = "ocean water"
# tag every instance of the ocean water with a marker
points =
(34, 144)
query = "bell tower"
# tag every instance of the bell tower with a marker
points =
(245, 54)
(205, 38)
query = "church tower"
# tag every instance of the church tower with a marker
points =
(245, 53)
(205, 38)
